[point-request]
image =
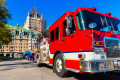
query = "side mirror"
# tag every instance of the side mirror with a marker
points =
(119, 26)
(69, 22)
(67, 31)
(92, 25)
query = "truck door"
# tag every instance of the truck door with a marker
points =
(69, 45)
(69, 40)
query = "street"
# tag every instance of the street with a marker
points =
(19, 69)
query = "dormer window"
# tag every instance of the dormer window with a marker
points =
(35, 15)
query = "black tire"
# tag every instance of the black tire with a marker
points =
(33, 59)
(39, 65)
(29, 59)
(63, 72)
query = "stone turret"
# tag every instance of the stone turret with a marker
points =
(42, 16)
(28, 13)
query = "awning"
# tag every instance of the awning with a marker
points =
(27, 52)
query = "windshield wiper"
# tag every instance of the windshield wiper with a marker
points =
(101, 25)
(113, 26)
(107, 23)
(102, 22)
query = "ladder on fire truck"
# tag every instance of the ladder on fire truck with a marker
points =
(43, 56)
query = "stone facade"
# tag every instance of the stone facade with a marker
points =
(24, 38)
(19, 43)
(35, 23)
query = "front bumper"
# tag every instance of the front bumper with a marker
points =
(99, 65)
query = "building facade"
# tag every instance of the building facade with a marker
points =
(34, 23)
(24, 38)
(19, 43)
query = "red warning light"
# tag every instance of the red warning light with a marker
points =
(93, 8)
(108, 13)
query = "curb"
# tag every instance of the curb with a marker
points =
(4, 60)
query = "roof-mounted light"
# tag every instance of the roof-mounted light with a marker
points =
(108, 13)
(93, 8)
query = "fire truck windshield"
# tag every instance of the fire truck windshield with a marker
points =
(106, 24)
(113, 24)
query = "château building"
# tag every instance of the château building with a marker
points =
(19, 43)
(34, 22)
(24, 38)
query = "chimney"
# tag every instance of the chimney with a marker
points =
(28, 14)
(17, 24)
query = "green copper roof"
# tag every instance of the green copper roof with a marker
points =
(16, 28)
(20, 27)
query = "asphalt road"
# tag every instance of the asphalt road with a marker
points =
(27, 70)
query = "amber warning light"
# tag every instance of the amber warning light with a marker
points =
(100, 43)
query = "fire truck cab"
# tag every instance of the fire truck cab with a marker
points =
(83, 41)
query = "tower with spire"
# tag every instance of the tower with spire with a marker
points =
(35, 21)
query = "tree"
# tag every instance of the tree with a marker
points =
(4, 12)
(5, 34)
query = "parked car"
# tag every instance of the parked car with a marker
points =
(32, 57)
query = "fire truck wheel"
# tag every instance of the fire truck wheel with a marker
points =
(59, 66)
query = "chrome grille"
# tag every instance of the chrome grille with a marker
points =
(113, 52)
(112, 47)
(111, 43)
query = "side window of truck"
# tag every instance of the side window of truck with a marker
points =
(64, 28)
(57, 33)
(78, 21)
(72, 29)
(52, 36)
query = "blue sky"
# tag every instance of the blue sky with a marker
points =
(53, 9)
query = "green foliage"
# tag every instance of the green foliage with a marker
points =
(3, 57)
(4, 13)
(5, 35)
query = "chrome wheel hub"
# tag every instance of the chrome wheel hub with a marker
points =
(59, 65)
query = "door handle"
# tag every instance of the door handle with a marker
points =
(63, 39)
(60, 37)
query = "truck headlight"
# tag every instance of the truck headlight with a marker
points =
(98, 43)
(98, 50)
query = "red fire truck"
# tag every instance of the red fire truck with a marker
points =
(83, 41)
